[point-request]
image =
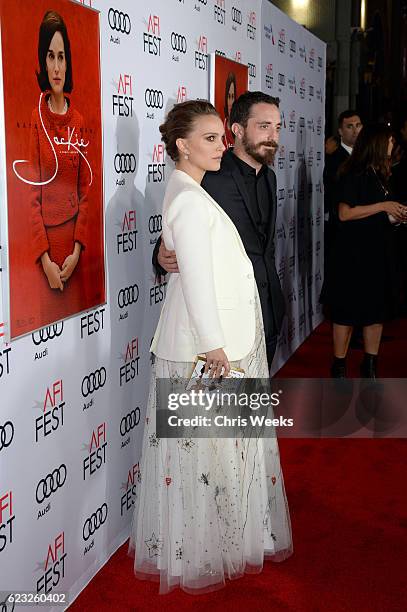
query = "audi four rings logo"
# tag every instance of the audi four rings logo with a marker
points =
(155, 224)
(128, 296)
(130, 421)
(236, 15)
(95, 521)
(51, 483)
(178, 42)
(154, 98)
(48, 333)
(125, 162)
(119, 21)
(6, 434)
(94, 381)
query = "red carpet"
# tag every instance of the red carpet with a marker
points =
(348, 503)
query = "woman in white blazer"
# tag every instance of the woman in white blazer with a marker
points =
(206, 509)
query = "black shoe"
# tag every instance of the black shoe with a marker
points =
(368, 367)
(338, 367)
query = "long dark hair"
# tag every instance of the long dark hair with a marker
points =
(369, 151)
(231, 79)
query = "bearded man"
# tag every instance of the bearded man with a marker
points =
(245, 187)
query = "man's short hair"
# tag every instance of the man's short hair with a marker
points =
(240, 112)
(347, 114)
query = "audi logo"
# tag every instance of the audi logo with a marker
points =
(48, 333)
(94, 381)
(96, 520)
(154, 98)
(178, 42)
(155, 224)
(236, 15)
(127, 296)
(51, 483)
(119, 21)
(6, 434)
(125, 162)
(130, 421)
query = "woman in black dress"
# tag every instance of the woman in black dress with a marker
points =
(362, 288)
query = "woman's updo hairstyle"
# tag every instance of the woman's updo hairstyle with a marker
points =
(180, 122)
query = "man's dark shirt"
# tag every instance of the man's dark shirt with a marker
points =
(259, 194)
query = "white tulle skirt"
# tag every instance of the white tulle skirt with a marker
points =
(208, 509)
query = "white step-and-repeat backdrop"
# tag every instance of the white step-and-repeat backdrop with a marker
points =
(73, 396)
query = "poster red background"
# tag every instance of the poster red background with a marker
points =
(20, 21)
(223, 66)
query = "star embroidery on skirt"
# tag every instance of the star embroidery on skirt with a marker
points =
(154, 546)
(204, 479)
(153, 440)
(187, 444)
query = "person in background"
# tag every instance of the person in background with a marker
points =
(399, 188)
(245, 187)
(362, 287)
(349, 126)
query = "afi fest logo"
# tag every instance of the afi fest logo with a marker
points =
(302, 88)
(130, 368)
(269, 76)
(5, 362)
(122, 101)
(53, 569)
(158, 290)
(281, 158)
(181, 94)
(201, 53)
(251, 25)
(130, 486)
(53, 406)
(281, 41)
(152, 38)
(219, 12)
(156, 170)
(293, 48)
(268, 33)
(126, 240)
(6, 520)
(92, 323)
(96, 456)
(238, 57)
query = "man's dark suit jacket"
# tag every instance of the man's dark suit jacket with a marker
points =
(228, 189)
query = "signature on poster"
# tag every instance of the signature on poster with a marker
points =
(59, 142)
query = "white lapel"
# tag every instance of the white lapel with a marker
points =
(184, 178)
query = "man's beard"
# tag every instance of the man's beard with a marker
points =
(254, 150)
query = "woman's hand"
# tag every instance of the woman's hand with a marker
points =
(52, 272)
(70, 263)
(217, 363)
(396, 210)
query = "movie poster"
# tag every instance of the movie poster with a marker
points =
(228, 80)
(52, 197)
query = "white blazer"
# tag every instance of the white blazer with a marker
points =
(210, 303)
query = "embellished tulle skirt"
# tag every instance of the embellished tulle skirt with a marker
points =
(208, 509)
